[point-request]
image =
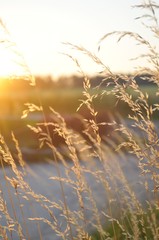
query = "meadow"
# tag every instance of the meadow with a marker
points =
(65, 102)
(82, 163)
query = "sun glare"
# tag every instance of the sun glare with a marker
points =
(8, 66)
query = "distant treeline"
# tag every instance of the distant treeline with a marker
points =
(74, 81)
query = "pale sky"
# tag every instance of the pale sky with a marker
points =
(40, 26)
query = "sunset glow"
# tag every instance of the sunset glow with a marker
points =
(7, 66)
(39, 29)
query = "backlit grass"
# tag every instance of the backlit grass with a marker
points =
(100, 147)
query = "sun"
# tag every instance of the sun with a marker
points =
(8, 65)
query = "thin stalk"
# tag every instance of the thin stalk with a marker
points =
(10, 232)
(22, 213)
(58, 170)
(10, 196)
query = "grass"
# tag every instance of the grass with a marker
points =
(67, 101)
(145, 219)
(90, 153)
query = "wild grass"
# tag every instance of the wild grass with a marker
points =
(95, 186)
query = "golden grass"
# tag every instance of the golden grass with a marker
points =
(121, 214)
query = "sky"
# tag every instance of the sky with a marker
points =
(41, 27)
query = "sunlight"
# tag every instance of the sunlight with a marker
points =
(8, 66)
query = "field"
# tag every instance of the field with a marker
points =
(38, 135)
(66, 103)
